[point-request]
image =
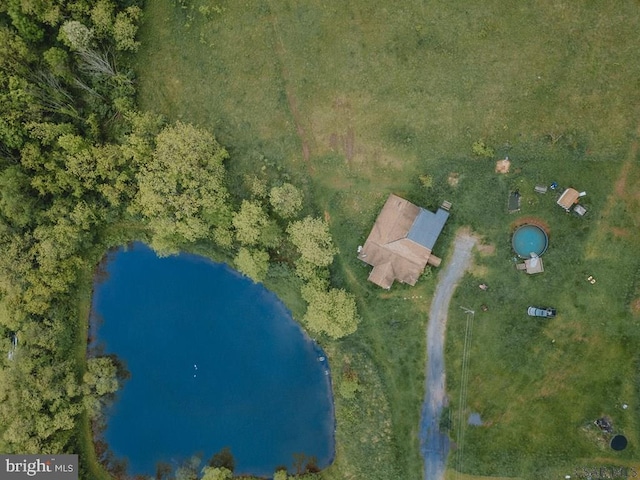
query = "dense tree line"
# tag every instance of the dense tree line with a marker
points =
(70, 146)
(82, 171)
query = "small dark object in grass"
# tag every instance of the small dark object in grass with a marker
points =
(619, 442)
(604, 424)
(484, 308)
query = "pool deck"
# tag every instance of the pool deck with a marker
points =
(531, 267)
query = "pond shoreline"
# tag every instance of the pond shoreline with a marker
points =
(98, 346)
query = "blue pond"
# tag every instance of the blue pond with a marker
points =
(529, 239)
(215, 361)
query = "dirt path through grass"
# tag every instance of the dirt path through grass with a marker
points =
(625, 195)
(291, 98)
(434, 444)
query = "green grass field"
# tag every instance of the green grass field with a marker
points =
(354, 100)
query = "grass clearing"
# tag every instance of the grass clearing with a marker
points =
(353, 101)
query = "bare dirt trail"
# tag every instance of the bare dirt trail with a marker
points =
(291, 98)
(625, 196)
(434, 444)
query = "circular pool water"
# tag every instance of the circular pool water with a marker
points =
(528, 239)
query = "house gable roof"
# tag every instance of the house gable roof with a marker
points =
(383, 275)
(399, 245)
(394, 221)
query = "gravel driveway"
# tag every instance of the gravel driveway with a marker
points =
(434, 445)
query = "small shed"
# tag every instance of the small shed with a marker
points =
(568, 198)
(580, 210)
(514, 202)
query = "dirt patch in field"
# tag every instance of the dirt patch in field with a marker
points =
(620, 186)
(553, 383)
(625, 189)
(620, 232)
(368, 157)
(622, 189)
(486, 250)
(349, 143)
(340, 117)
(454, 179)
(333, 141)
(503, 166)
(345, 143)
(340, 126)
(635, 307)
(538, 222)
(626, 196)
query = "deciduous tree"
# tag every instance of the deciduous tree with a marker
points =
(280, 475)
(101, 376)
(248, 221)
(256, 185)
(189, 469)
(223, 459)
(254, 227)
(286, 200)
(76, 35)
(182, 189)
(125, 28)
(253, 263)
(17, 200)
(216, 473)
(313, 240)
(332, 312)
(102, 14)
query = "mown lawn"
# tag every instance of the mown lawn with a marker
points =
(354, 100)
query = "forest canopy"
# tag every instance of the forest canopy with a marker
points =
(82, 171)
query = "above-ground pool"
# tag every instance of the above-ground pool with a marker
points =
(529, 239)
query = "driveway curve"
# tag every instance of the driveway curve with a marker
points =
(434, 444)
